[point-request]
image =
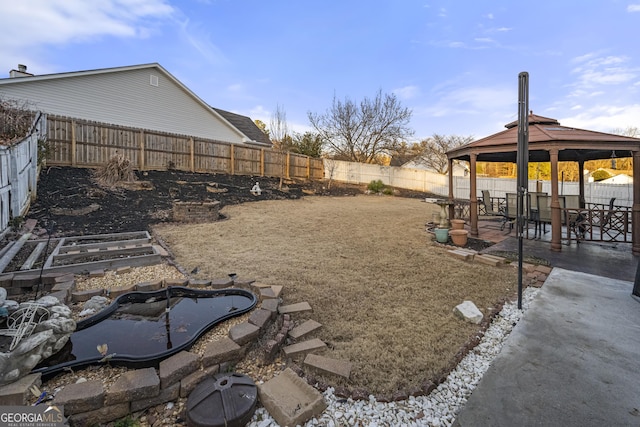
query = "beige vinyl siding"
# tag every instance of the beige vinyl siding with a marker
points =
(125, 98)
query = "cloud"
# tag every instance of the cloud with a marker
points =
(407, 92)
(30, 26)
(199, 39)
(594, 71)
(633, 8)
(54, 22)
(605, 117)
(489, 15)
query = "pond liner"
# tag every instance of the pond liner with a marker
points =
(154, 359)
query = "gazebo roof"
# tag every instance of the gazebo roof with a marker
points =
(545, 134)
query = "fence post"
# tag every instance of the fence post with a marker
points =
(73, 143)
(142, 154)
(288, 164)
(232, 166)
(192, 155)
(262, 162)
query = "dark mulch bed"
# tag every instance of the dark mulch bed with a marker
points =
(72, 199)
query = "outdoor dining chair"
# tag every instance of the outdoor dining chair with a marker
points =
(544, 211)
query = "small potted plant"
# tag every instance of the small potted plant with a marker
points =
(442, 234)
(459, 237)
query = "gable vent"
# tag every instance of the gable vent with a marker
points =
(153, 80)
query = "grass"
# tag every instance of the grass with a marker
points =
(383, 290)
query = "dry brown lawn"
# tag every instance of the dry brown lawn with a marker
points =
(380, 285)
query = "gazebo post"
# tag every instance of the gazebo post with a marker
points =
(556, 228)
(635, 212)
(581, 180)
(473, 195)
(452, 207)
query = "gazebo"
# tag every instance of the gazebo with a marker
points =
(551, 142)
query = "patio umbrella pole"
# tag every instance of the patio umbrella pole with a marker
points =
(523, 167)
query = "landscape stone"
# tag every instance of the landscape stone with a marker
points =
(96, 273)
(243, 333)
(188, 383)
(299, 307)
(469, 312)
(177, 367)
(149, 286)
(260, 318)
(277, 290)
(166, 395)
(81, 296)
(81, 397)
(100, 416)
(272, 306)
(6, 280)
(25, 280)
(304, 347)
(96, 303)
(290, 400)
(123, 270)
(221, 350)
(329, 366)
(543, 269)
(121, 290)
(134, 385)
(221, 283)
(485, 259)
(176, 282)
(463, 255)
(17, 393)
(267, 293)
(199, 283)
(304, 329)
(3, 296)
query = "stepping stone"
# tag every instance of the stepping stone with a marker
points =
(290, 400)
(489, 260)
(329, 366)
(463, 255)
(299, 307)
(304, 329)
(304, 347)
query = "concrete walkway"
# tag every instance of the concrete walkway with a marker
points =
(573, 360)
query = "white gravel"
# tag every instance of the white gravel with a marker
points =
(441, 406)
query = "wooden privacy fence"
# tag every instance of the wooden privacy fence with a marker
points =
(84, 143)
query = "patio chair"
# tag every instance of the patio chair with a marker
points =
(490, 211)
(544, 211)
(532, 209)
(574, 219)
(511, 211)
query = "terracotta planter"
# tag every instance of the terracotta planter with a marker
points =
(457, 224)
(459, 237)
(442, 234)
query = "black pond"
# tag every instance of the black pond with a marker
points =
(139, 329)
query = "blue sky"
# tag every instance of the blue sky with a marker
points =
(454, 63)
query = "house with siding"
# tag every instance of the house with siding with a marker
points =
(141, 96)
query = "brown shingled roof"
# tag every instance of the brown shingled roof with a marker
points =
(545, 134)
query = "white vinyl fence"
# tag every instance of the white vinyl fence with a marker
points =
(19, 173)
(421, 180)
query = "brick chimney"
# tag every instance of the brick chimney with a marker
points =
(20, 72)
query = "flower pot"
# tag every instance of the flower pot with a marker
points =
(442, 234)
(457, 224)
(459, 237)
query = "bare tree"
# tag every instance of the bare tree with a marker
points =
(330, 166)
(361, 132)
(434, 150)
(279, 134)
(632, 131)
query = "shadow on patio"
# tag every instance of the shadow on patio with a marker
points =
(607, 259)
